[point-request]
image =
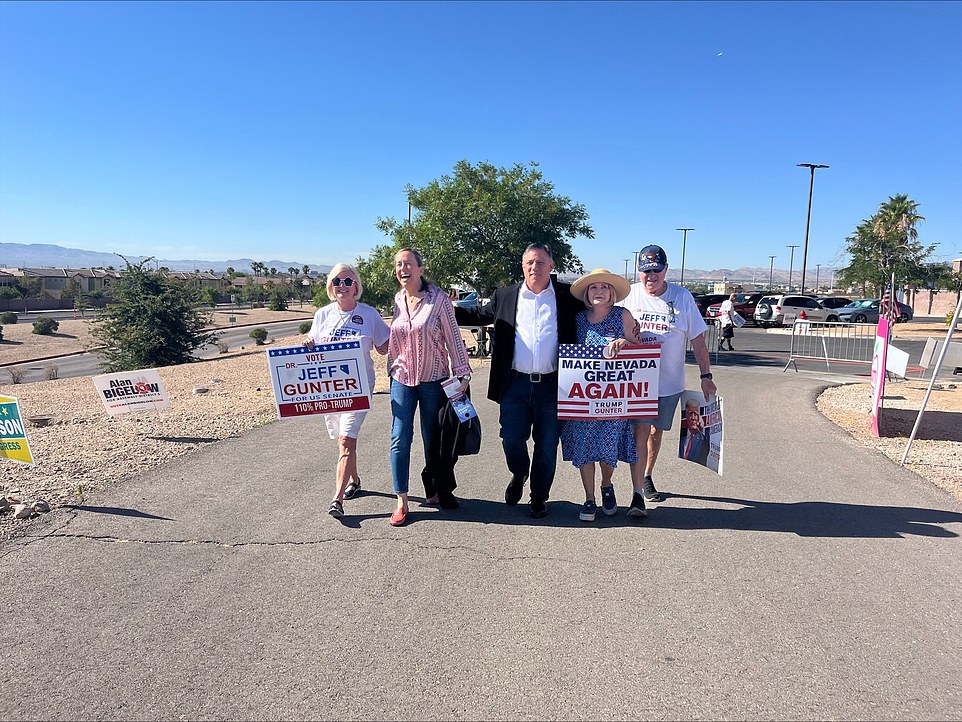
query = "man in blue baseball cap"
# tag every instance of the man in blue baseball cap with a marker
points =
(667, 315)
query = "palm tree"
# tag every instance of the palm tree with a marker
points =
(306, 269)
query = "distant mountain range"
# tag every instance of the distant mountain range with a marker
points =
(44, 255)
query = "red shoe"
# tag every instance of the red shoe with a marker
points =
(399, 517)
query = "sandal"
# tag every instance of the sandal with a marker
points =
(352, 489)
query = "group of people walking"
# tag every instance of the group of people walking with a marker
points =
(529, 319)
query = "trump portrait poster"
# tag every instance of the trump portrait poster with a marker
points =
(702, 438)
(591, 386)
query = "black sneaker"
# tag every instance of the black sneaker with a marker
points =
(352, 489)
(651, 493)
(539, 509)
(588, 511)
(637, 508)
(514, 490)
(336, 509)
(608, 503)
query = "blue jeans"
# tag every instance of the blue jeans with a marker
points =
(404, 401)
(530, 410)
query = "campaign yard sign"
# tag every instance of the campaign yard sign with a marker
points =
(127, 391)
(331, 378)
(13, 436)
(591, 386)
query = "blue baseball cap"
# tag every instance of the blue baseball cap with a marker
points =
(652, 258)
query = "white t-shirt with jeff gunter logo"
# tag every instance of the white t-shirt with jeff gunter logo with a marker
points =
(362, 323)
(671, 319)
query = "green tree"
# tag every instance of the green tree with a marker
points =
(30, 287)
(152, 322)
(8, 294)
(210, 295)
(377, 274)
(73, 294)
(278, 300)
(472, 226)
(887, 243)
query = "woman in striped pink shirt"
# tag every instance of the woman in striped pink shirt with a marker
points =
(424, 349)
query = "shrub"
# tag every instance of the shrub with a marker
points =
(223, 346)
(16, 375)
(44, 326)
(259, 335)
(53, 372)
(304, 327)
(8, 317)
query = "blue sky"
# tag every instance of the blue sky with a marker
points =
(215, 131)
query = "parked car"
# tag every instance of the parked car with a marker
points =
(771, 310)
(834, 301)
(866, 310)
(704, 300)
(745, 304)
(467, 300)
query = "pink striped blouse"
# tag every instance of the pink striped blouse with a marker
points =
(426, 345)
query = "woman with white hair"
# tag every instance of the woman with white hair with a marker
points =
(347, 320)
(585, 442)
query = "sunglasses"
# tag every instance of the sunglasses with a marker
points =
(343, 282)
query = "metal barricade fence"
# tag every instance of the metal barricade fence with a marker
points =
(712, 336)
(831, 341)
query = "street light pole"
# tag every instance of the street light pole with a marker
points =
(634, 273)
(791, 261)
(626, 268)
(808, 221)
(771, 271)
(684, 240)
(818, 267)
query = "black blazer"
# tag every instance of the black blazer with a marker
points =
(501, 312)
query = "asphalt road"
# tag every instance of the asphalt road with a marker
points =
(815, 580)
(89, 364)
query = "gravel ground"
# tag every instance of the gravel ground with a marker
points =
(83, 450)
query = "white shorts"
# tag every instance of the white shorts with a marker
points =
(346, 424)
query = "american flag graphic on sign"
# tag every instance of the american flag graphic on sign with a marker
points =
(591, 386)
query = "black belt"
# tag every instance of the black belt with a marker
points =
(535, 378)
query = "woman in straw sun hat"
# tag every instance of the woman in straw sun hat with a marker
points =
(585, 442)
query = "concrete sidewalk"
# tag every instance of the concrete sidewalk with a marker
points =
(815, 580)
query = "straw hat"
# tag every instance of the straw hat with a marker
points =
(619, 284)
